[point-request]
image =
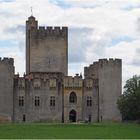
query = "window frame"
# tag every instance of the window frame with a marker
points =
(52, 101)
(72, 97)
(89, 101)
(37, 101)
(21, 101)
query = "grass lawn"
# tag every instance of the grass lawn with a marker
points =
(70, 131)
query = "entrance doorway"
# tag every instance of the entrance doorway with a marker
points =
(72, 116)
(24, 118)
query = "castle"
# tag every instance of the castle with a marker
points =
(47, 94)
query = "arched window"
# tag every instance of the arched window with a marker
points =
(73, 97)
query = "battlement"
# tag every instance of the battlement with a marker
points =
(104, 62)
(37, 79)
(92, 69)
(73, 82)
(40, 75)
(110, 61)
(43, 31)
(52, 29)
(6, 60)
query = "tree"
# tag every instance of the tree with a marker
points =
(129, 101)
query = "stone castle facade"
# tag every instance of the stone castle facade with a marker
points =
(47, 94)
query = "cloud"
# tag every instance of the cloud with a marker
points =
(14, 52)
(136, 60)
(79, 41)
(97, 29)
(18, 28)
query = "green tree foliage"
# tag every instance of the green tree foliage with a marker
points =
(129, 101)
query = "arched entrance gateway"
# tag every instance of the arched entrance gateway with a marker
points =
(72, 116)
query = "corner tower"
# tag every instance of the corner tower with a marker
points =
(46, 48)
(6, 89)
(109, 76)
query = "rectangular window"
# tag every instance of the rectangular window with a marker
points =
(37, 101)
(89, 101)
(21, 101)
(52, 101)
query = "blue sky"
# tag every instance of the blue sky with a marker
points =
(8, 43)
(61, 3)
(97, 29)
(120, 39)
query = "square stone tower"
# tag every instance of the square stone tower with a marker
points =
(46, 48)
(109, 75)
(6, 89)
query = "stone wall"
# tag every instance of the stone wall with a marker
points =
(42, 86)
(43, 94)
(90, 91)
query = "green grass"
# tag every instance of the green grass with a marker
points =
(70, 131)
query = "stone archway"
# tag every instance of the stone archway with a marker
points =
(72, 116)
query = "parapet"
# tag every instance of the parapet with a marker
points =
(92, 69)
(104, 62)
(43, 75)
(110, 61)
(37, 79)
(43, 32)
(73, 82)
(7, 61)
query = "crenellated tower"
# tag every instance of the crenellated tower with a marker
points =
(46, 48)
(6, 89)
(109, 75)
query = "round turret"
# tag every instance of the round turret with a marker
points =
(31, 23)
(31, 18)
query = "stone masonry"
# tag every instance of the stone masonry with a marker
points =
(47, 94)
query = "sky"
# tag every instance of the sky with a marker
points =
(97, 29)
